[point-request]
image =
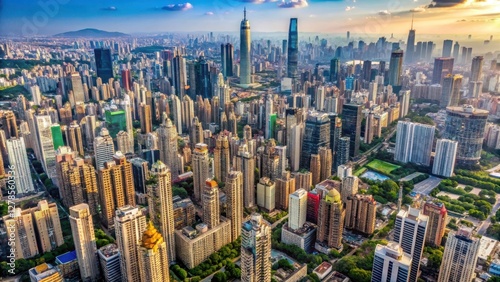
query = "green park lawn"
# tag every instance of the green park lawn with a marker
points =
(381, 166)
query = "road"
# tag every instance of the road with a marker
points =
(278, 222)
(363, 160)
(425, 187)
(484, 226)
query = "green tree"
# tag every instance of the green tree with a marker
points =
(219, 277)
(360, 275)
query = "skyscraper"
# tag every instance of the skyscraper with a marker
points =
(210, 203)
(447, 45)
(104, 64)
(179, 75)
(444, 160)
(9, 124)
(227, 59)
(410, 45)
(466, 125)
(391, 264)
(19, 159)
(245, 162)
(77, 88)
(109, 258)
(222, 162)
(82, 229)
(451, 90)
(103, 148)
(460, 257)
(298, 209)
(256, 250)
(334, 70)
(351, 127)
(317, 134)
(234, 194)
(342, 154)
(160, 205)
(409, 231)
(438, 216)
(130, 223)
(285, 185)
(74, 137)
(200, 169)
(266, 194)
(245, 51)
(330, 222)
(293, 48)
(315, 168)
(350, 185)
(325, 157)
(167, 137)
(442, 67)
(153, 256)
(46, 144)
(414, 143)
(395, 69)
(22, 230)
(476, 68)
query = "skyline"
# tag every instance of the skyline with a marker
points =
(50, 17)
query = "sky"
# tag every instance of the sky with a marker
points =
(48, 17)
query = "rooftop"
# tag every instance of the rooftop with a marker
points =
(109, 250)
(323, 268)
(66, 257)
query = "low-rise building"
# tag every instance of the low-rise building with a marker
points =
(296, 274)
(45, 272)
(68, 265)
(323, 270)
(304, 237)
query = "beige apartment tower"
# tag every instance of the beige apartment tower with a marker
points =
(153, 256)
(201, 165)
(330, 221)
(256, 250)
(234, 194)
(360, 213)
(161, 208)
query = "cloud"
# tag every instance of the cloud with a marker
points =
(418, 10)
(348, 8)
(257, 1)
(384, 13)
(209, 13)
(178, 7)
(110, 8)
(445, 3)
(293, 4)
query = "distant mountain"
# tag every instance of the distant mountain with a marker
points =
(91, 33)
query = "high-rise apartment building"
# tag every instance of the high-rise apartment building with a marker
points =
(266, 194)
(179, 75)
(227, 51)
(326, 160)
(82, 229)
(256, 250)
(395, 69)
(153, 256)
(298, 209)
(74, 137)
(130, 223)
(116, 187)
(414, 143)
(460, 257)
(210, 203)
(285, 185)
(234, 194)
(315, 168)
(18, 158)
(201, 163)
(222, 162)
(438, 217)
(350, 186)
(245, 51)
(391, 264)
(342, 154)
(245, 162)
(466, 125)
(167, 137)
(293, 48)
(451, 90)
(409, 231)
(330, 222)
(48, 226)
(161, 205)
(109, 258)
(360, 213)
(444, 160)
(21, 228)
(447, 46)
(104, 149)
(351, 127)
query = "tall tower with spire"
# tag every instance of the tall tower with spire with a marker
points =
(245, 48)
(410, 44)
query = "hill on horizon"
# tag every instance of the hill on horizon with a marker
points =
(91, 32)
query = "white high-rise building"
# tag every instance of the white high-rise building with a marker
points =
(344, 171)
(405, 102)
(130, 223)
(410, 229)
(414, 143)
(269, 112)
(349, 187)
(444, 161)
(104, 149)
(19, 160)
(46, 144)
(127, 106)
(82, 229)
(391, 264)
(296, 145)
(460, 257)
(177, 113)
(297, 209)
